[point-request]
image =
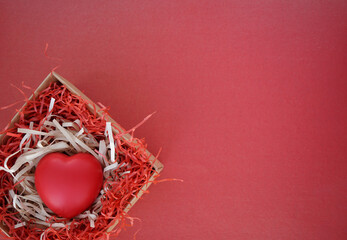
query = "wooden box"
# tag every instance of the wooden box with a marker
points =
(54, 77)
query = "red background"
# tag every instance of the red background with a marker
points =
(250, 99)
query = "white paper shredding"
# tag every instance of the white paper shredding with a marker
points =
(55, 136)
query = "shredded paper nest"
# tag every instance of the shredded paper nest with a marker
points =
(58, 121)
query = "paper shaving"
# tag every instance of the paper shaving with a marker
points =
(126, 168)
(27, 202)
(109, 134)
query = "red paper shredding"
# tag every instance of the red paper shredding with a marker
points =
(121, 190)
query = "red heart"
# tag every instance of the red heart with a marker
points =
(68, 185)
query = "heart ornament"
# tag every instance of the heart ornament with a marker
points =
(68, 185)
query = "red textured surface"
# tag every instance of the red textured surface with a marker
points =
(251, 101)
